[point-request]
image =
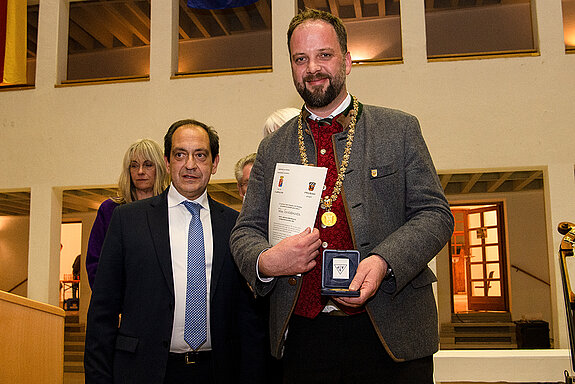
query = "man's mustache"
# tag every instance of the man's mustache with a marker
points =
(317, 76)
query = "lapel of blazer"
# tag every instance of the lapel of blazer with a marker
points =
(219, 241)
(159, 229)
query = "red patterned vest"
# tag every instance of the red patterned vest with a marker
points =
(310, 302)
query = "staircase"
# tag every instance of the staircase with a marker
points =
(74, 338)
(479, 330)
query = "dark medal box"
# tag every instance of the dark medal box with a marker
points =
(338, 270)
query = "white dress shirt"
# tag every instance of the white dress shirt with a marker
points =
(179, 221)
(340, 108)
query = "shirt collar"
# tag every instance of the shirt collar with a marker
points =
(344, 104)
(175, 198)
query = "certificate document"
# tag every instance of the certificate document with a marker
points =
(294, 200)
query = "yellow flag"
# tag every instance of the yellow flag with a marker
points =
(15, 53)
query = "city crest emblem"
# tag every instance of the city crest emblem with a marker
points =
(311, 185)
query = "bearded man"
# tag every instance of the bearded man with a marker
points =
(382, 199)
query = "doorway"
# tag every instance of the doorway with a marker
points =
(70, 268)
(478, 259)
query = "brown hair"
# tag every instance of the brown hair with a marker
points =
(313, 14)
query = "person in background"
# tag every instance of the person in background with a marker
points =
(242, 172)
(76, 276)
(279, 118)
(143, 175)
(382, 199)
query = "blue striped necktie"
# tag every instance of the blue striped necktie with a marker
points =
(195, 326)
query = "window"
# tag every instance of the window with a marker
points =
(108, 39)
(373, 27)
(478, 27)
(233, 39)
(569, 24)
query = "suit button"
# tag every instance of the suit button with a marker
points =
(292, 281)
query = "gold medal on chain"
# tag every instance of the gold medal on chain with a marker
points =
(328, 218)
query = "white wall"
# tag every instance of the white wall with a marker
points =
(492, 114)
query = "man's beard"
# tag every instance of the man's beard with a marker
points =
(319, 98)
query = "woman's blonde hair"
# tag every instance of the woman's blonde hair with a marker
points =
(145, 149)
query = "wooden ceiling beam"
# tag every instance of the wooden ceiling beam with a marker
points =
(242, 15)
(333, 7)
(472, 181)
(381, 10)
(183, 34)
(137, 12)
(218, 19)
(132, 23)
(230, 189)
(265, 12)
(194, 19)
(15, 205)
(492, 186)
(82, 203)
(10, 212)
(115, 25)
(89, 23)
(97, 192)
(445, 180)
(80, 36)
(357, 9)
(518, 186)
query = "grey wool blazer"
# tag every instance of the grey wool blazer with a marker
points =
(396, 209)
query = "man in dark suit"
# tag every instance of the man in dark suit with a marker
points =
(183, 317)
(382, 198)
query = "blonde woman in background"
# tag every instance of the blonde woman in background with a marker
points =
(143, 175)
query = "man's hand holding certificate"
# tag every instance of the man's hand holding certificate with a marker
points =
(302, 249)
(294, 203)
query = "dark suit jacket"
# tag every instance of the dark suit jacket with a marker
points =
(395, 208)
(135, 279)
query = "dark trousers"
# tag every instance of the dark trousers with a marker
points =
(345, 349)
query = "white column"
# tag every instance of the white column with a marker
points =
(548, 27)
(44, 244)
(52, 50)
(282, 13)
(164, 26)
(413, 35)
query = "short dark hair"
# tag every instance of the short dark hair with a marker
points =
(212, 134)
(313, 14)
